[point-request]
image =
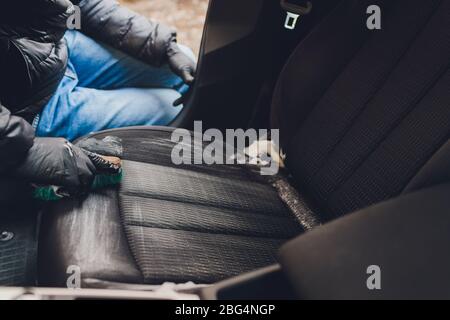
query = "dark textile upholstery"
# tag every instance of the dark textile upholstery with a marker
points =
(197, 223)
(186, 223)
(435, 171)
(87, 234)
(365, 125)
(183, 225)
(364, 116)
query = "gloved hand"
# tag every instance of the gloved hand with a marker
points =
(181, 64)
(55, 161)
(56, 14)
(181, 100)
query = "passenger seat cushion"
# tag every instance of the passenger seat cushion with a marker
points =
(183, 223)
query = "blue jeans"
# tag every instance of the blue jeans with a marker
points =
(104, 88)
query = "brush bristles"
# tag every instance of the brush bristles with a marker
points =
(100, 182)
(104, 181)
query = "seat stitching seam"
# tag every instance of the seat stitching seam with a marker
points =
(207, 232)
(217, 205)
(229, 211)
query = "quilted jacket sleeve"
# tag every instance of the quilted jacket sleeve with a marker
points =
(108, 21)
(16, 138)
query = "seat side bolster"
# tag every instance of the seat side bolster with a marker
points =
(85, 236)
(407, 238)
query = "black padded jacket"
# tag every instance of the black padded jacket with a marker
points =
(16, 138)
(33, 53)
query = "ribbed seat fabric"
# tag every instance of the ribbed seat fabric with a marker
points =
(360, 113)
(181, 223)
(371, 106)
(197, 223)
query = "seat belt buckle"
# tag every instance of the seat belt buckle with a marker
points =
(294, 12)
(291, 20)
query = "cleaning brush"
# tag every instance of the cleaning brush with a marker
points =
(109, 173)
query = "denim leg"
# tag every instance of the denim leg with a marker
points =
(100, 66)
(104, 89)
(86, 110)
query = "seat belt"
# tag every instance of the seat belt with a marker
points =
(294, 12)
(287, 39)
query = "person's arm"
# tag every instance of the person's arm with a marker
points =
(130, 32)
(108, 21)
(51, 161)
(16, 138)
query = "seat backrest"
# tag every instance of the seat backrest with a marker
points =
(361, 111)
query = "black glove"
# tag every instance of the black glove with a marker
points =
(181, 64)
(108, 146)
(56, 14)
(55, 161)
(182, 100)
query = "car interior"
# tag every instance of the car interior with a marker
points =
(364, 120)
